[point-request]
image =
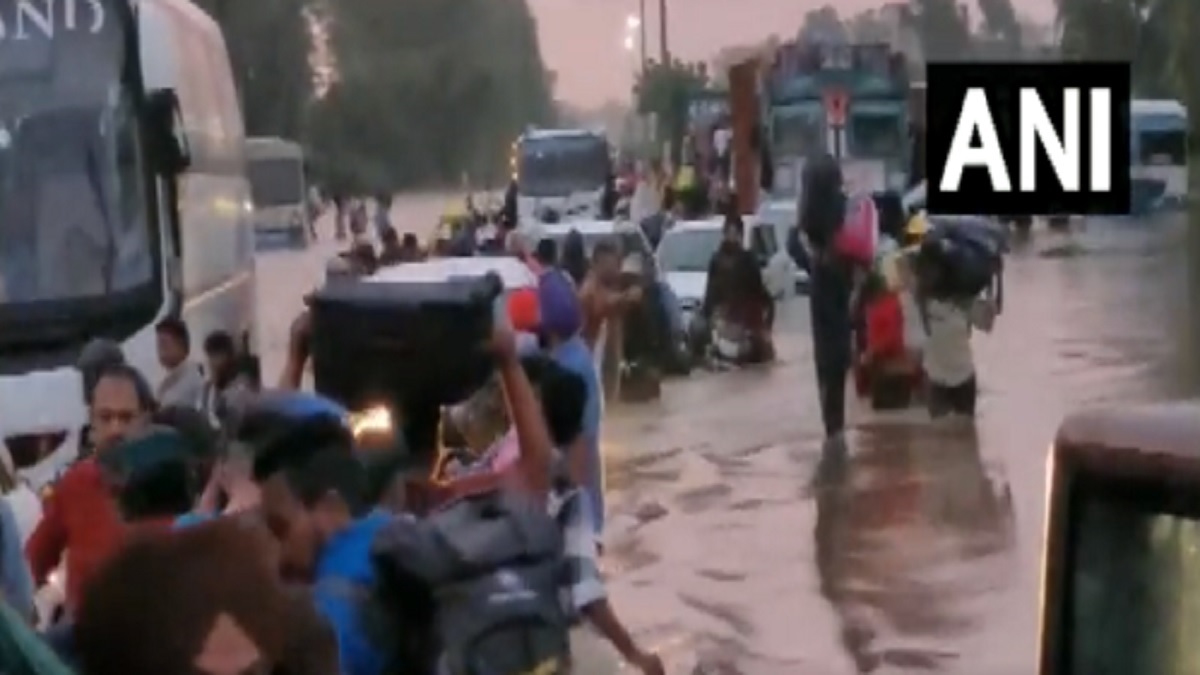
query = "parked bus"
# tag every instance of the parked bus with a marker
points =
(275, 168)
(123, 200)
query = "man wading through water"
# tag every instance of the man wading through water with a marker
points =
(822, 212)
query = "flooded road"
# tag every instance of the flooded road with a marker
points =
(736, 545)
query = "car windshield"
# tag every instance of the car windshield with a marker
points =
(688, 250)
(276, 182)
(72, 218)
(557, 166)
(626, 242)
(1134, 584)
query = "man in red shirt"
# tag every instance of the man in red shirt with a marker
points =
(80, 515)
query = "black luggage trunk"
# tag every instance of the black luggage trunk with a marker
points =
(402, 343)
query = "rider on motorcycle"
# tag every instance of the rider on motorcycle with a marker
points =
(737, 304)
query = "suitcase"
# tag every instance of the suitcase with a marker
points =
(388, 343)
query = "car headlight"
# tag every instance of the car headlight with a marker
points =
(376, 420)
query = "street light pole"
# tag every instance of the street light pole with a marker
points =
(665, 51)
(642, 34)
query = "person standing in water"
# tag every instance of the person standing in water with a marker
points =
(822, 211)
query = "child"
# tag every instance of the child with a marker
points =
(948, 361)
(885, 364)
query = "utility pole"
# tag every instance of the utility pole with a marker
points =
(643, 58)
(663, 22)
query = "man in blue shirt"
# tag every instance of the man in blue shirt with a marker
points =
(312, 502)
(561, 323)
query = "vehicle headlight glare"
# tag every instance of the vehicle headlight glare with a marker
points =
(373, 420)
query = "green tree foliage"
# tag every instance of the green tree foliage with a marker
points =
(823, 25)
(269, 43)
(1000, 23)
(666, 90)
(942, 28)
(1139, 31)
(425, 90)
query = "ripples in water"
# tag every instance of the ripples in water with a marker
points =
(739, 547)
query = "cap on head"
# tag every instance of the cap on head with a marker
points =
(561, 314)
(155, 446)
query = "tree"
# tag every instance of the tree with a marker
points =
(1000, 23)
(269, 43)
(666, 91)
(425, 90)
(942, 28)
(823, 25)
(868, 27)
(1139, 31)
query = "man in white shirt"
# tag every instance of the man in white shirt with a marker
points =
(183, 384)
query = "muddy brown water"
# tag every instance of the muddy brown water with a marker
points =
(736, 547)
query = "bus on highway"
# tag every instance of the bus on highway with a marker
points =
(562, 174)
(123, 200)
(1158, 153)
(275, 168)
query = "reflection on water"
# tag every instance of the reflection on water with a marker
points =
(737, 545)
(910, 529)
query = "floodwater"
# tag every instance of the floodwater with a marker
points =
(735, 547)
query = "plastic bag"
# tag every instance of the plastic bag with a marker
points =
(858, 237)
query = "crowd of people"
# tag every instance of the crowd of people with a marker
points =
(213, 526)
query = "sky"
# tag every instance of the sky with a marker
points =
(582, 40)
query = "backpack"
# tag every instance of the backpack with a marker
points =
(970, 257)
(493, 566)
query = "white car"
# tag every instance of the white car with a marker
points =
(783, 215)
(628, 236)
(687, 249)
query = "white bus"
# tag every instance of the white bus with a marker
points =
(1158, 148)
(123, 200)
(278, 191)
(561, 174)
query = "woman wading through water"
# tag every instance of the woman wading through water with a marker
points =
(822, 212)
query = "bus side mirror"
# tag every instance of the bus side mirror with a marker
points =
(1122, 526)
(167, 137)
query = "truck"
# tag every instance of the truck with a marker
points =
(561, 174)
(850, 100)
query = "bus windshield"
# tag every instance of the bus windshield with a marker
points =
(73, 220)
(557, 166)
(276, 182)
(1159, 140)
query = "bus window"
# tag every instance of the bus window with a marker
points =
(276, 181)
